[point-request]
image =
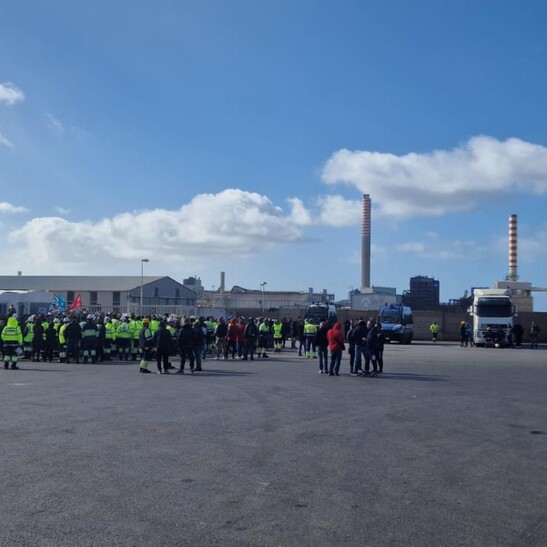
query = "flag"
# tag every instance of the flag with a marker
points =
(77, 303)
(58, 303)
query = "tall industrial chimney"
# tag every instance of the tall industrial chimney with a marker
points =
(365, 242)
(513, 275)
(222, 287)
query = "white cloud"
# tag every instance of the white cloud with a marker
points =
(531, 245)
(5, 142)
(62, 210)
(59, 128)
(9, 94)
(434, 248)
(211, 226)
(412, 247)
(443, 181)
(6, 207)
(377, 251)
(333, 210)
(299, 214)
(338, 212)
(54, 124)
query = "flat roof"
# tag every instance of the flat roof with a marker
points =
(74, 282)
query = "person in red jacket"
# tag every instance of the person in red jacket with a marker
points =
(335, 337)
(240, 337)
(231, 339)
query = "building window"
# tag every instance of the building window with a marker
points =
(92, 298)
(69, 297)
(177, 293)
(156, 292)
(116, 298)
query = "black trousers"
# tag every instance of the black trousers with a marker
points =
(73, 349)
(184, 353)
(162, 356)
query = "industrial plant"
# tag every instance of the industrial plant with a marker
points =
(162, 294)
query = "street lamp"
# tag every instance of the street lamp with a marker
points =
(262, 285)
(143, 260)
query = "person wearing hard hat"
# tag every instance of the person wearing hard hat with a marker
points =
(28, 336)
(162, 344)
(123, 339)
(90, 335)
(146, 343)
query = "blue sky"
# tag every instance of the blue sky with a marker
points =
(239, 137)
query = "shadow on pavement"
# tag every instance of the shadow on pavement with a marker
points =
(213, 373)
(24, 369)
(410, 376)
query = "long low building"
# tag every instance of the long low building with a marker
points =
(118, 294)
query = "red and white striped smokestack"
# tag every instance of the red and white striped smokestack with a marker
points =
(513, 275)
(365, 241)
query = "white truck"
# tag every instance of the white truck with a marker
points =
(492, 313)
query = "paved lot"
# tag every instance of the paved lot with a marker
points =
(449, 447)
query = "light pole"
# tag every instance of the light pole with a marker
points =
(143, 260)
(262, 285)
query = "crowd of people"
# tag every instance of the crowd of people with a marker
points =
(95, 338)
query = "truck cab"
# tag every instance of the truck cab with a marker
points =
(315, 313)
(493, 312)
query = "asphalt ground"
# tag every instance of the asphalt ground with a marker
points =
(447, 447)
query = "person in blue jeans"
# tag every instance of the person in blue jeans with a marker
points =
(335, 337)
(359, 338)
(322, 345)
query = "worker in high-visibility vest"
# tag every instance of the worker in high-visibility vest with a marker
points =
(277, 335)
(28, 337)
(136, 326)
(123, 339)
(263, 335)
(109, 338)
(310, 333)
(90, 335)
(62, 340)
(12, 339)
(434, 328)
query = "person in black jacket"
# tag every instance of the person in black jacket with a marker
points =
(372, 349)
(186, 345)
(38, 340)
(73, 335)
(162, 343)
(50, 342)
(322, 345)
(359, 335)
(251, 337)
(351, 348)
(199, 343)
(220, 338)
(101, 337)
(381, 343)
(518, 334)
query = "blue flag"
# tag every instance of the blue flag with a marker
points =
(58, 303)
